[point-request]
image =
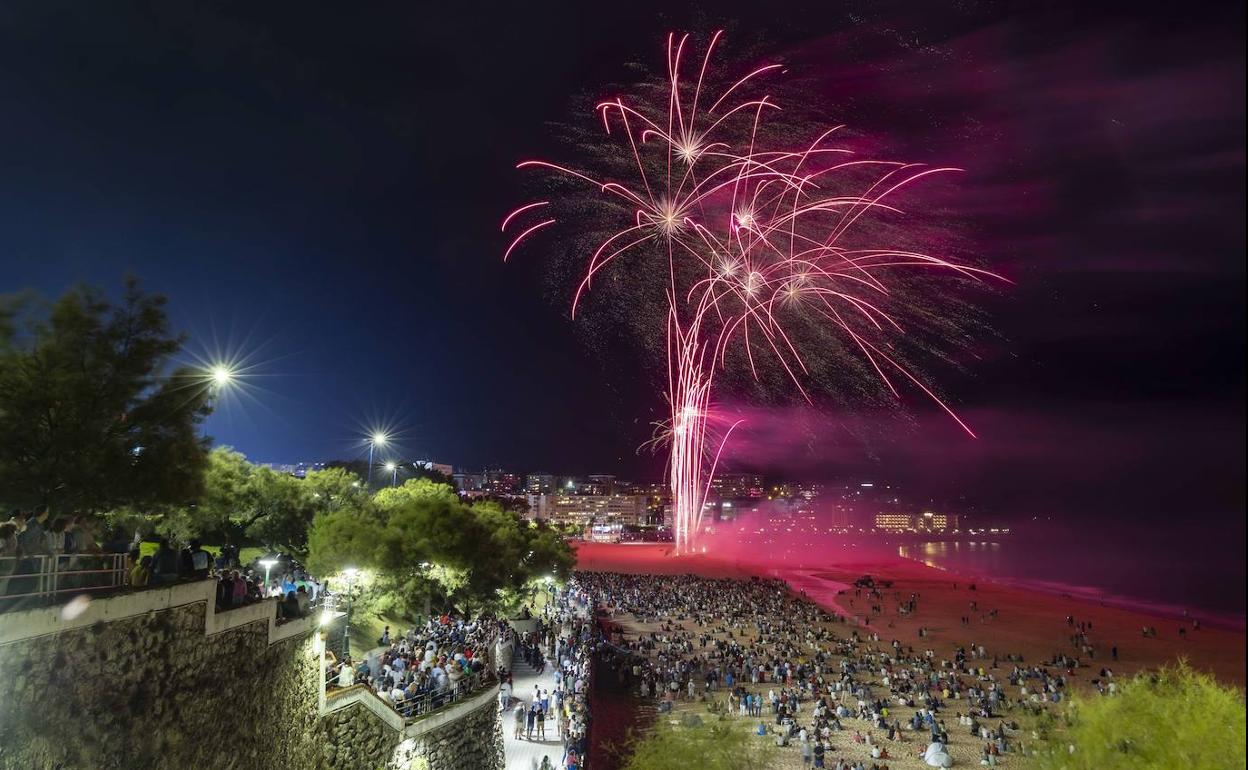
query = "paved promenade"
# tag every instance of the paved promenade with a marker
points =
(523, 754)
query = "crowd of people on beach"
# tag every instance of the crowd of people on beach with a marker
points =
(814, 680)
(427, 666)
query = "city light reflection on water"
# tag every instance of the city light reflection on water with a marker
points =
(974, 557)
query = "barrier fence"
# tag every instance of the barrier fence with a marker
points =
(43, 580)
(425, 703)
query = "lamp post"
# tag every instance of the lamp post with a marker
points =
(220, 377)
(550, 600)
(374, 441)
(268, 565)
(350, 572)
(394, 473)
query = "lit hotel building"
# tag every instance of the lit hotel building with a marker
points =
(586, 510)
(909, 522)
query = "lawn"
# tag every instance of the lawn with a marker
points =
(367, 627)
(245, 555)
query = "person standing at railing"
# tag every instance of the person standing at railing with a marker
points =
(8, 554)
(165, 564)
(32, 539)
(32, 544)
(56, 536)
(196, 561)
(141, 575)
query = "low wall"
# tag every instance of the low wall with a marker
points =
(465, 736)
(159, 679)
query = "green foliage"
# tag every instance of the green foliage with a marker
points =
(710, 746)
(429, 547)
(90, 418)
(406, 472)
(1173, 718)
(246, 502)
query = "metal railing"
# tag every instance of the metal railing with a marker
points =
(30, 581)
(424, 703)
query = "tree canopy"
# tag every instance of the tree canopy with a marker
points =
(1176, 717)
(91, 414)
(244, 501)
(429, 544)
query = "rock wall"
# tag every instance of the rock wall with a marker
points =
(355, 739)
(473, 742)
(153, 690)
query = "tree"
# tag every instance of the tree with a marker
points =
(289, 505)
(1175, 717)
(91, 418)
(406, 471)
(244, 501)
(425, 544)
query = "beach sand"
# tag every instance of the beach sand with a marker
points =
(1029, 623)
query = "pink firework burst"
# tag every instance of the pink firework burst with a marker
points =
(753, 235)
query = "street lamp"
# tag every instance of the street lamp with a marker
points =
(222, 375)
(219, 377)
(377, 439)
(268, 565)
(350, 572)
(394, 473)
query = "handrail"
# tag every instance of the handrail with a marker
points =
(31, 622)
(420, 706)
(44, 576)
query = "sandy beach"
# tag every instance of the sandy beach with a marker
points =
(1026, 622)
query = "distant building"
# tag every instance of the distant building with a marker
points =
(539, 483)
(737, 486)
(469, 482)
(500, 482)
(599, 484)
(926, 522)
(298, 470)
(587, 510)
(651, 488)
(894, 522)
(430, 465)
(936, 522)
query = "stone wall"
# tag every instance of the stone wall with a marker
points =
(473, 741)
(179, 686)
(155, 691)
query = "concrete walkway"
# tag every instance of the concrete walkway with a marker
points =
(523, 754)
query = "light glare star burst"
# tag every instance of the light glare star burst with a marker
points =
(750, 232)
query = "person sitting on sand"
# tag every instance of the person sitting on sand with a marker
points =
(936, 755)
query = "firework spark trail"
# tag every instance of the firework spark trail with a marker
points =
(763, 239)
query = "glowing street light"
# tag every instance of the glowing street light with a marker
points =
(222, 375)
(219, 377)
(394, 473)
(268, 565)
(379, 438)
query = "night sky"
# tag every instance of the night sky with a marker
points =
(318, 187)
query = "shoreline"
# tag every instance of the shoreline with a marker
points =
(1031, 621)
(1101, 596)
